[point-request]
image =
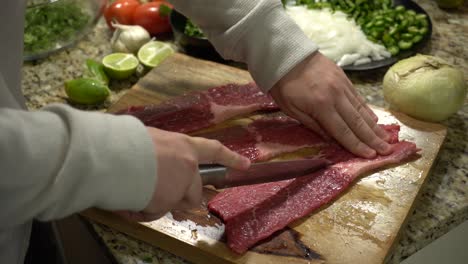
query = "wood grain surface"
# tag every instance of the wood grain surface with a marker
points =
(360, 226)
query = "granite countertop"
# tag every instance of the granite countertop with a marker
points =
(442, 205)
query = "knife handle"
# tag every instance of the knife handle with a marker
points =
(213, 175)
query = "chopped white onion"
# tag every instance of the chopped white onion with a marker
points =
(338, 37)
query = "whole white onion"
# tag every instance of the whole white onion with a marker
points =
(425, 87)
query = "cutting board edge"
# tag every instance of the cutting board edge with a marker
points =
(182, 248)
(404, 224)
(166, 242)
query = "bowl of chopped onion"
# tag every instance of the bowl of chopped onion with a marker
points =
(363, 35)
(52, 25)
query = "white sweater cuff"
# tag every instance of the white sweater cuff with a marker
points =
(269, 41)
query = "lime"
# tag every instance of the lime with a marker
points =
(86, 91)
(96, 71)
(120, 65)
(154, 52)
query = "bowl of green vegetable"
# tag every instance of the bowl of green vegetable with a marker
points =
(413, 28)
(401, 27)
(191, 38)
(52, 25)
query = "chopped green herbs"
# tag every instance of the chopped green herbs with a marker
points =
(48, 25)
(394, 27)
(192, 30)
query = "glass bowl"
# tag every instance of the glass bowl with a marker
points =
(52, 25)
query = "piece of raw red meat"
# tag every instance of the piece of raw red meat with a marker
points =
(244, 208)
(301, 196)
(202, 109)
(266, 137)
(234, 201)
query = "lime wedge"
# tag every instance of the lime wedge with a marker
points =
(120, 65)
(154, 52)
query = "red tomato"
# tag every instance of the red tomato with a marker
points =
(153, 16)
(121, 11)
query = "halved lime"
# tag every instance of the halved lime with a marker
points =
(154, 52)
(120, 65)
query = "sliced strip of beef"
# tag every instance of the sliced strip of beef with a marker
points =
(302, 196)
(198, 110)
(292, 136)
(247, 210)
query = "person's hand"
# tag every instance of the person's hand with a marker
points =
(179, 185)
(318, 93)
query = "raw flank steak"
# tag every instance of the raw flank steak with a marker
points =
(246, 210)
(266, 138)
(198, 110)
(245, 197)
(253, 213)
(294, 199)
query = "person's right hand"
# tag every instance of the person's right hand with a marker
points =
(179, 185)
(318, 93)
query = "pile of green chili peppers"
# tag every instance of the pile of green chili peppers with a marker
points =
(394, 27)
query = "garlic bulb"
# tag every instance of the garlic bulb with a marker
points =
(128, 39)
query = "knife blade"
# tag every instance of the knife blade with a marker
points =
(223, 177)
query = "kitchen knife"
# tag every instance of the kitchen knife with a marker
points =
(222, 177)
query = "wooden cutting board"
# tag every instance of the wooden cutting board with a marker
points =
(359, 227)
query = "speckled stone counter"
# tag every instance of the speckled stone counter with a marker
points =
(442, 205)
